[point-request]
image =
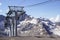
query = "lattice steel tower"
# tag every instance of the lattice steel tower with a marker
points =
(13, 15)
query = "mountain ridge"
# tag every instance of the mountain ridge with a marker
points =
(34, 26)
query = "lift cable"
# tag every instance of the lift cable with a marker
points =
(42, 3)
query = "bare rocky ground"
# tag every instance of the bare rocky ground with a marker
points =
(28, 38)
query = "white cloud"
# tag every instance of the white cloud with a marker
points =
(0, 11)
(57, 18)
(0, 4)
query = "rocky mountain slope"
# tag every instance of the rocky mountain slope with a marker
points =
(30, 26)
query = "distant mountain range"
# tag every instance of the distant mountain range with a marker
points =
(2, 28)
(30, 26)
(30, 23)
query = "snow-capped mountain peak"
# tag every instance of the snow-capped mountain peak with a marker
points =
(55, 19)
(52, 19)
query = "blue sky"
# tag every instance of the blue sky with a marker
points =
(47, 10)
